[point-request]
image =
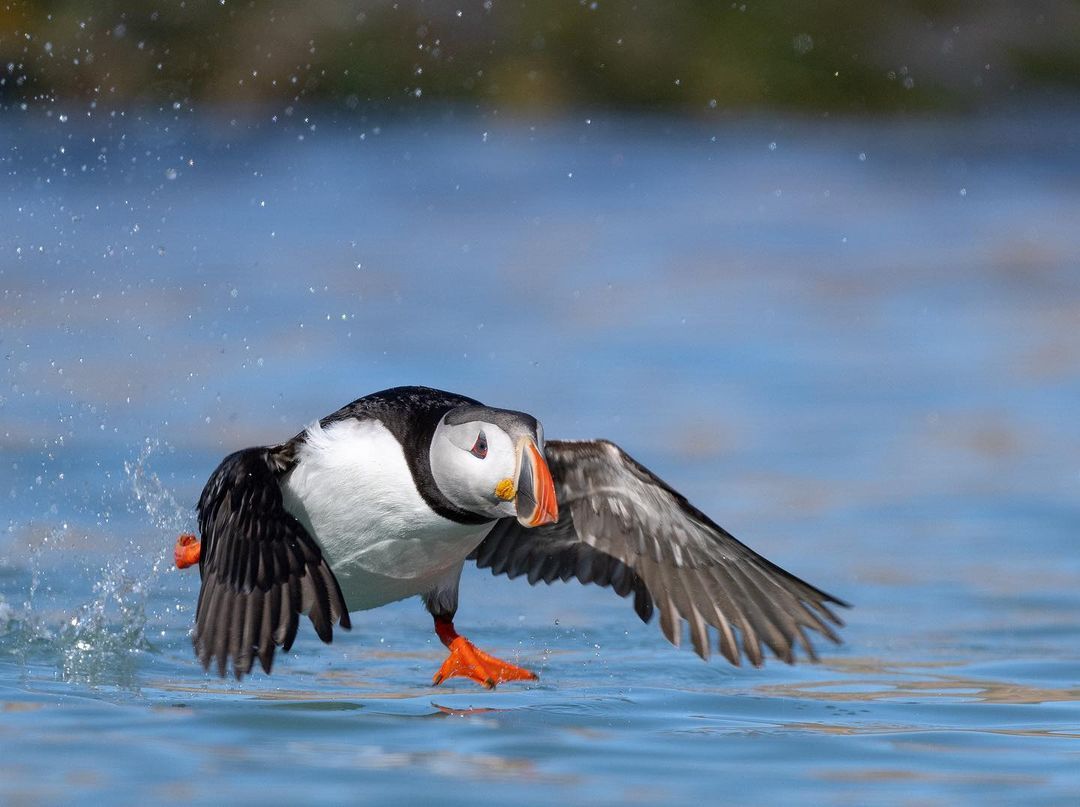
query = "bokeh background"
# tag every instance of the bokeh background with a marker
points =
(817, 265)
(549, 57)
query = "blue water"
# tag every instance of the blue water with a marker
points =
(854, 344)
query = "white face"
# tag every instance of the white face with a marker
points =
(473, 463)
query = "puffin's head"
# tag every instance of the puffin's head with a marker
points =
(491, 462)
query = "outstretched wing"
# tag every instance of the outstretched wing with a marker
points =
(260, 569)
(622, 526)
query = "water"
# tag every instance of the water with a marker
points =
(854, 344)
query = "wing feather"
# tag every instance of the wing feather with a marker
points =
(622, 526)
(260, 569)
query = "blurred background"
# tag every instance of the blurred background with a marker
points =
(817, 265)
(548, 56)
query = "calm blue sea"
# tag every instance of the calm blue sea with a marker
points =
(855, 344)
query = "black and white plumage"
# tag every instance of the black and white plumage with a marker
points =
(624, 527)
(389, 496)
(260, 568)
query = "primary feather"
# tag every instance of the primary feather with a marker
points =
(622, 526)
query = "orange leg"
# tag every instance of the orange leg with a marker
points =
(187, 550)
(467, 661)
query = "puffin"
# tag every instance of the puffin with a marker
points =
(391, 495)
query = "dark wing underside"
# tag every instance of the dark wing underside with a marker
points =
(260, 569)
(621, 526)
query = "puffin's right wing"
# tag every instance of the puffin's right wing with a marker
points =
(260, 569)
(624, 527)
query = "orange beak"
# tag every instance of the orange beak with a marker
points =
(535, 500)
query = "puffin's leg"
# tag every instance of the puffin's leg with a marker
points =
(468, 661)
(187, 550)
(465, 659)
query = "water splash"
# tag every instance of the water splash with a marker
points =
(101, 640)
(7, 617)
(158, 502)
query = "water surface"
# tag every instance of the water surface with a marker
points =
(853, 344)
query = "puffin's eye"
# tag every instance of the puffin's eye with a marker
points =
(479, 448)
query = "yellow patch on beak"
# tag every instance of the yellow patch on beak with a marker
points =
(505, 490)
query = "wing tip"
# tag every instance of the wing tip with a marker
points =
(840, 602)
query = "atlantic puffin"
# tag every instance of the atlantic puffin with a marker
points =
(390, 496)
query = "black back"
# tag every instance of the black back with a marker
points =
(411, 414)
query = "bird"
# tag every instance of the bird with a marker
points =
(390, 496)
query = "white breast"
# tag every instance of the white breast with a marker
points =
(353, 491)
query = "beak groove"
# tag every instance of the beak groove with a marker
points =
(535, 502)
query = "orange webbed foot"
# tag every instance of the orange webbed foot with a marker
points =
(187, 550)
(468, 661)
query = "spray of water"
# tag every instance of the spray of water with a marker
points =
(92, 622)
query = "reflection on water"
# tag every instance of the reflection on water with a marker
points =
(441, 763)
(871, 680)
(805, 326)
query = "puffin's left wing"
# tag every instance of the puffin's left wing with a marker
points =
(260, 569)
(624, 527)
